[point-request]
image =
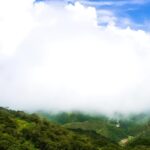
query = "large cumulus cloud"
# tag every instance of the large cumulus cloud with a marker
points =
(56, 57)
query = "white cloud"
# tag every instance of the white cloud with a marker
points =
(64, 61)
(106, 17)
(114, 3)
(15, 23)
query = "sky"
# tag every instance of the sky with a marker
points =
(75, 55)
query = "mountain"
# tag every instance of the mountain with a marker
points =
(22, 131)
(131, 132)
(72, 131)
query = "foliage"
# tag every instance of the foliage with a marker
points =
(75, 131)
(133, 132)
(22, 131)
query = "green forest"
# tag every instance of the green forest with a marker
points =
(72, 131)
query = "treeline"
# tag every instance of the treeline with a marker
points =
(21, 131)
(134, 129)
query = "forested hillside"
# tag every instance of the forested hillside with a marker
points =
(73, 131)
(131, 132)
(22, 131)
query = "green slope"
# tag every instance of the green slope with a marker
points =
(108, 127)
(21, 131)
(130, 127)
(75, 131)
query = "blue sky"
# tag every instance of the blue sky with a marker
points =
(54, 56)
(137, 12)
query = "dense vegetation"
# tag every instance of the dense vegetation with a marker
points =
(72, 131)
(131, 132)
(21, 131)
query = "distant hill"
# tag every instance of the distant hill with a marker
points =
(72, 131)
(131, 132)
(22, 131)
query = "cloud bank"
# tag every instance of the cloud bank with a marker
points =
(56, 57)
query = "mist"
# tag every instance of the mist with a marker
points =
(55, 56)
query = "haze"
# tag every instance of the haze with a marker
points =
(57, 56)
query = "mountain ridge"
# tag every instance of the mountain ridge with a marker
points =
(71, 131)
